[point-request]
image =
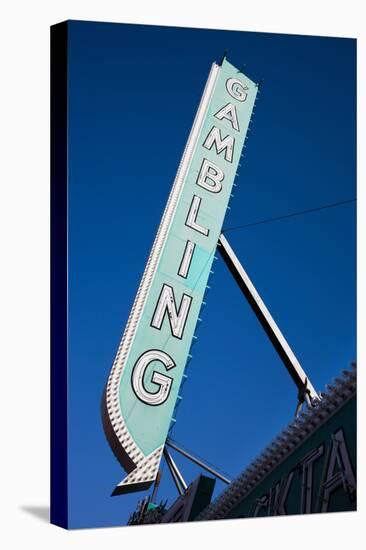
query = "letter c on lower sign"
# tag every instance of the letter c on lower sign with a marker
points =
(162, 380)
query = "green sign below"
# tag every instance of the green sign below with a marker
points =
(309, 468)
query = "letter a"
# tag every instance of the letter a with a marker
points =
(229, 112)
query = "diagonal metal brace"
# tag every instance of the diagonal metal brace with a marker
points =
(306, 389)
(197, 461)
(176, 475)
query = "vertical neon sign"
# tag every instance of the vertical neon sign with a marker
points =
(144, 382)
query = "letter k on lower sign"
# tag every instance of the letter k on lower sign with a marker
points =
(143, 385)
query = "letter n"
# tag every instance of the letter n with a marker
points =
(166, 304)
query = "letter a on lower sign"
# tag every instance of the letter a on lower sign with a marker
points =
(143, 386)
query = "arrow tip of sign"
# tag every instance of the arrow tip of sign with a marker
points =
(142, 476)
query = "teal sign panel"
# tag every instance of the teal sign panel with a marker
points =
(143, 386)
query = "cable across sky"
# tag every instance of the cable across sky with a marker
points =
(293, 214)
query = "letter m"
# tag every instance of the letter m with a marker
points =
(226, 144)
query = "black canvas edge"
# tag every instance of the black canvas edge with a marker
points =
(59, 301)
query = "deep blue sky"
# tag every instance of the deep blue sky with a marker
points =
(133, 94)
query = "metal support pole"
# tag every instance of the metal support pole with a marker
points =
(176, 475)
(156, 486)
(265, 318)
(197, 461)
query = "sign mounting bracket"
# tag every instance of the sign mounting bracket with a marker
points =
(176, 475)
(197, 461)
(307, 391)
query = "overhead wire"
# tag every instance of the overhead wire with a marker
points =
(293, 214)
